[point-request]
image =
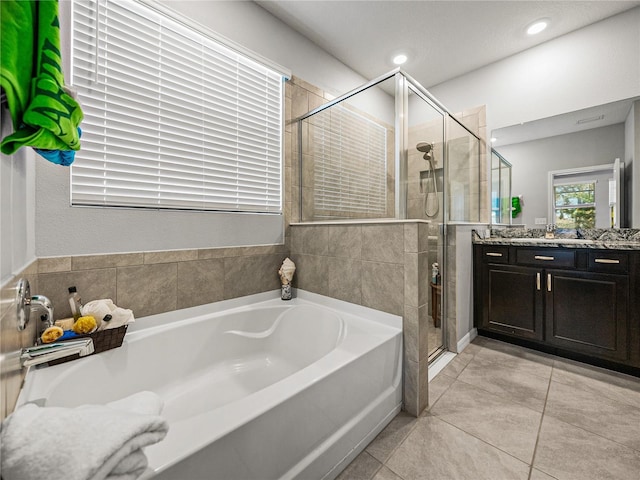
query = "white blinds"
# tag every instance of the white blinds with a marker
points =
(173, 119)
(350, 164)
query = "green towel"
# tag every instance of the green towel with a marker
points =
(44, 115)
(516, 207)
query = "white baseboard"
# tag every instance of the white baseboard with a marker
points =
(467, 339)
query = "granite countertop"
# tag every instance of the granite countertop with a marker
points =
(610, 239)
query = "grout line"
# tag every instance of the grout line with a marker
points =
(604, 399)
(479, 439)
(535, 448)
(498, 395)
(393, 450)
(373, 475)
(429, 407)
(596, 434)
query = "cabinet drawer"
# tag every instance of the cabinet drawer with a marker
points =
(549, 257)
(609, 262)
(495, 254)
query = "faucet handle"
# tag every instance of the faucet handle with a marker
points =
(40, 301)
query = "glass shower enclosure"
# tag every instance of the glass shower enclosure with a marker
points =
(500, 189)
(389, 151)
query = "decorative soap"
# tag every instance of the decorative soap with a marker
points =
(65, 323)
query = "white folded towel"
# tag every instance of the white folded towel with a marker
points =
(93, 442)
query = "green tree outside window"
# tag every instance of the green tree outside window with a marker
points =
(575, 205)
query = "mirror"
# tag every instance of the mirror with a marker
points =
(593, 137)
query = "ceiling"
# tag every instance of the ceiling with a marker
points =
(443, 39)
(446, 39)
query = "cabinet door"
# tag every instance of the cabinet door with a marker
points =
(513, 300)
(588, 313)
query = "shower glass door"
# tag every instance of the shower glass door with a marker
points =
(426, 201)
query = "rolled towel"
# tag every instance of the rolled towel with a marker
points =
(99, 309)
(94, 442)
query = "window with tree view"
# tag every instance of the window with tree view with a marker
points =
(574, 205)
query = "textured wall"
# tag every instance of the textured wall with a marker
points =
(378, 265)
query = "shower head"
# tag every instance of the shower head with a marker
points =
(424, 147)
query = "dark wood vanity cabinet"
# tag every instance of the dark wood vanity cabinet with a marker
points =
(588, 313)
(513, 302)
(567, 300)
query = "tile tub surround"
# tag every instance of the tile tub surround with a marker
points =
(480, 423)
(382, 265)
(156, 282)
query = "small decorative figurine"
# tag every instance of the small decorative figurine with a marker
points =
(286, 272)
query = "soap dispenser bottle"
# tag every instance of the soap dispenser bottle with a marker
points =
(75, 303)
(435, 274)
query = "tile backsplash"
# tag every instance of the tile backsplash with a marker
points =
(156, 282)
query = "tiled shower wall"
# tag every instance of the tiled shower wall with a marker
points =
(320, 128)
(378, 265)
(475, 119)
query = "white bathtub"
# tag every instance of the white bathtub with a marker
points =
(254, 388)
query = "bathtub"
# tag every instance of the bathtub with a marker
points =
(254, 388)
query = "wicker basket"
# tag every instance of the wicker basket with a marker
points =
(102, 341)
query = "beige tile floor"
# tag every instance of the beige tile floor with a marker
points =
(504, 412)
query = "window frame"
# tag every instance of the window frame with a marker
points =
(210, 36)
(578, 206)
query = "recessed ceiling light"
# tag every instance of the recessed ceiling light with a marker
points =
(537, 26)
(400, 59)
(494, 139)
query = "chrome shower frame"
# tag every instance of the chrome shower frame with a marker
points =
(403, 84)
